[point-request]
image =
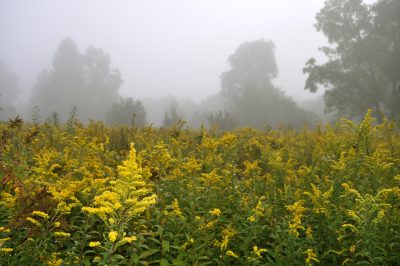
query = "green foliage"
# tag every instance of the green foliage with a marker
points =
(222, 120)
(127, 112)
(171, 116)
(363, 64)
(81, 195)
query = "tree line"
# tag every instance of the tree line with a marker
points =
(362, 72)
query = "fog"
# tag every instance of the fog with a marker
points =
(162, 48)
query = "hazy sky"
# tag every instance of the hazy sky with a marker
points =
(162, 47)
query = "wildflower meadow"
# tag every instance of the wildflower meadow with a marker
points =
(77, 194)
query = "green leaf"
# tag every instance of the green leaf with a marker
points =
(117, 257)
(86, 262)
(165, 247)
(155, 240)
(134, 259)
(96, 260)
(178, 262)
(164, 262)
(88, 252)
(149, 253)
(160, 230)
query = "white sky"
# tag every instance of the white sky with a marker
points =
(162, 47)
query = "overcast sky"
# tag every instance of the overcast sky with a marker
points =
(162, 47)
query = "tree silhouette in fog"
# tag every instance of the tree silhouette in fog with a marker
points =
(9, 91)
(250, 94)
(127, 112)
(171, 116)
(83, 80)
(363, 67)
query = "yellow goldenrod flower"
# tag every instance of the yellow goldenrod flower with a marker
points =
(297, 210)
(33, 221)
(259, 251)
(210, 179)
(351, 226)
(311, 256)
(94, 244)
(57, 224)
(251, 219)
(216, 212)
(128, 239)
(54, 167)
(40, 214)
(117, 206)
(176, 210)
(309, 231)
(209, 225)
(7, 250)
(112, 236)
(2, 240)
(4, 230)
(62, 234)
(227, 235)
(127, 196)
(55, 262)
(230, 253)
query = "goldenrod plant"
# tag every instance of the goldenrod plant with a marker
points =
(98, 195)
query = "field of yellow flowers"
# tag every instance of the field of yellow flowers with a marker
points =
(96, 195)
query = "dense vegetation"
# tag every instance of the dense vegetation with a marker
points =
(98, 195)
(363, 66)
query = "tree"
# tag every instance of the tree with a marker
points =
(252, 66)
(249, 93)
(222, 120)
(363, 67)
(83, 80)
(9, 91)
(127, 112)
(171, 116)
(101, 82)
(61, 87)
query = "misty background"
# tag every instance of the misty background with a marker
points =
(169, 56)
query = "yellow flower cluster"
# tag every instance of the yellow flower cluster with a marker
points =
(215, 212)
(230, 253)
(127, 196)
(127, 239)
(94, 244)
(298, 211)
(258, 251)
(40, 214)
(311, 256)
(246, 197)
(112, 236)
(176, 210)
(33, 221)
(4, 229)
(61, 234)
(227, 234)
